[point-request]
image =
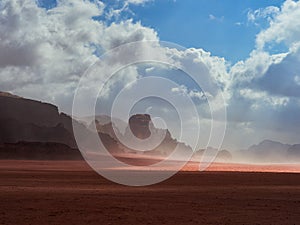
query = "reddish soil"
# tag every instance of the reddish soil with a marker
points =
(50, 192)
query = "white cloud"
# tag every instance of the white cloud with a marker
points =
(183, 90)
(124, 32)
(115, 13)
(262, 13)
(284, 27)
(211, 69)
(260, 98)
(273, 73)
(297, 80)
(42, 48)
(215, 18)
(211, 17)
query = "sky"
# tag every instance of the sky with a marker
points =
(248, 52)
(214, 26)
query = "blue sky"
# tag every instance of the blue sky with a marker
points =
(47, 3)
(219, 27)
(188, 23)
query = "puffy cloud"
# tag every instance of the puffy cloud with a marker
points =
(122, 7)
(259, 97)
(124, 32)
(297, 80)
(183, 90)
(284, 27)
(275, 74)
(41, 49)
(281, 79)
(262, 13)
(214, 18)
(211, 70)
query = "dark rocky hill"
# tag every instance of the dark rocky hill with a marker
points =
(293, 153)
(27, 124)
(33, 121)
(38, 151)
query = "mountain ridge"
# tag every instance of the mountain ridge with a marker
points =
(24, 120)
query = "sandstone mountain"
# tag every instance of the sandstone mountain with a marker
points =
(27, 120)
(269, 151)
(35, 130)
(24, 121)
(293, 153)
(142, 127)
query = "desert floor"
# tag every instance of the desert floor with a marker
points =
(49, 192)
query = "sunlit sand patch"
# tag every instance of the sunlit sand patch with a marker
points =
(171, 166)
(142, 163)
(237, 167)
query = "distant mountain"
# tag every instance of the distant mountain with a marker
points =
(264, 152)
(24, 121)
(141, 126)
(220, 156)
(33, 121)
(28, 125)
(38, 151)
(106, 128)
(101, 120)
(7, 94)
(224, 156)
(269, 146)
(293, 153)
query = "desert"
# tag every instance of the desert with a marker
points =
(70, 192)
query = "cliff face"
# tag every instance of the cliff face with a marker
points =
(13, 131)
(38, 151)
(26, 123)
(32, 121)
(293, 153)
(141, 126)
(29, 111)
(269, 146)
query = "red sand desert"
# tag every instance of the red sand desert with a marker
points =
(60, 192)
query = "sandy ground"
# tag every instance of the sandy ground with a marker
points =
(44, 192)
